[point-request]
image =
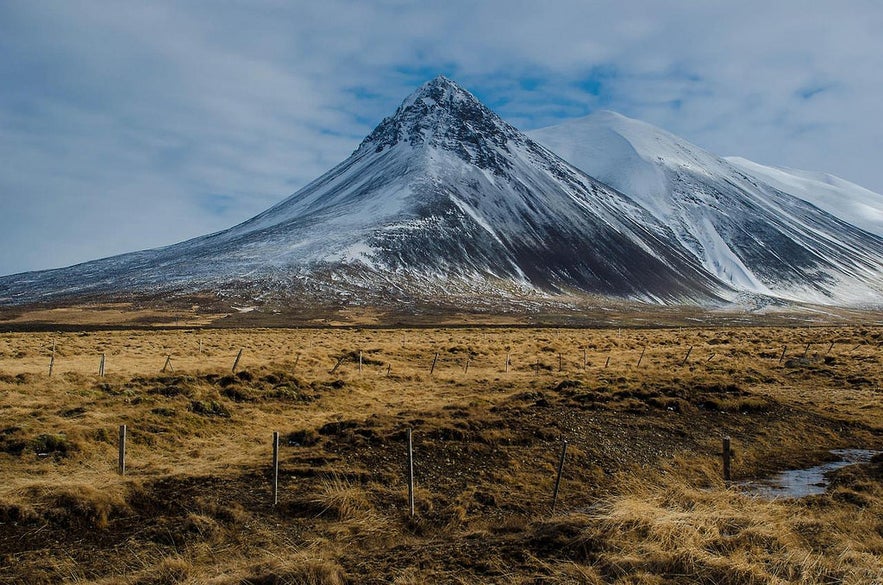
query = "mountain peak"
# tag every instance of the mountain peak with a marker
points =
(441, 114)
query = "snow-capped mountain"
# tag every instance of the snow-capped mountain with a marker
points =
(444, 200)
(755, 231)
(442, 197)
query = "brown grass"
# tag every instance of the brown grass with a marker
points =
(641, 497)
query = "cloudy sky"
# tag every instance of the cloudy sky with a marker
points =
(129, 125)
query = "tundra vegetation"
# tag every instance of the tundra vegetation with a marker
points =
(641, 498)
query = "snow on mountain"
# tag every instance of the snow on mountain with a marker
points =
(442, 198)
(750, 233)
(848, 201)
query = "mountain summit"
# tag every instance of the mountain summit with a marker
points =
(445, 203)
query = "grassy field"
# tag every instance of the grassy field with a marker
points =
(641, 498)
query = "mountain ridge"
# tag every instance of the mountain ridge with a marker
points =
(443, 199)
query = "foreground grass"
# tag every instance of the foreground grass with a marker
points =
(641, 498)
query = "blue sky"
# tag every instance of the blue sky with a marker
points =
(129, 125)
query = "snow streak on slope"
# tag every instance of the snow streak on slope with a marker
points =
(746, 232)
(848, 201)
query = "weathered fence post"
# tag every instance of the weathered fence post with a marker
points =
(558, 477)
(101, 365)
(121, 461)
(466, 368)
(560, 363)
(686, 357)
(640, 359)
(360, 361)
(275, 467)
(781, 357)
(711, 357)
(607, 363)
(168, 364)
(434, 361)
(410, 473)
(830, 347)
(236, 361)
(508, 354)
(337, 365)
(51, 363)
(805, 351)
(726, 454)
(388, 368)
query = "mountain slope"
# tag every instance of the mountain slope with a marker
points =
(441, 198)
(747, 232)
(850, 202)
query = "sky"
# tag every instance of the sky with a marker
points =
(133, 125)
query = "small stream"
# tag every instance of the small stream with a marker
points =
(797, 483)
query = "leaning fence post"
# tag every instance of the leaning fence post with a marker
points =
(642, 357)
(410, 473)
(726, 454)
(558, 477)
(168, 364)
(101, 365)
(434, 361)
(686, 357)
(236, 361)
(275, 467)
(806, 351)
(121, 462)
(466, 368)
(781, 357)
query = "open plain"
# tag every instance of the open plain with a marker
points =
(641, 498)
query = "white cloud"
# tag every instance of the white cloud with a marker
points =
(130, 125)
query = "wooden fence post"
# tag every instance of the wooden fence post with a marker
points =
(508, 354)
(686, 357)
(337, 365)
(607, 363)
(466, 368)
(640, 359)
(781, 357)
(434, 361)
(726, 454)
(275, 467)
(236, 361)
(805, 351)
(830, 347)
(558, 477)
(101, 365)
(388, 368)
(410, 472)
(560, 363)
(51, 364)
(168, 364)
(121, 461)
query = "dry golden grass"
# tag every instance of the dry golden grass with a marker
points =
(641, 497)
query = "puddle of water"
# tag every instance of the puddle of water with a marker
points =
(797, 483)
